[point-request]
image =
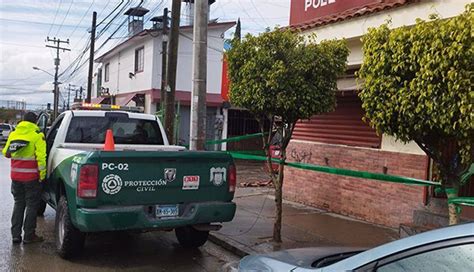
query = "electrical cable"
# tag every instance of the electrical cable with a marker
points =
(87, 46)
(38, 23)
(108, 15)
(55, 15)
(258, 12)
(80, 65)
(259, 215)
(83, 16)
(64, 19)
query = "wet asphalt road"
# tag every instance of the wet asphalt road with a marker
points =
(153, 251)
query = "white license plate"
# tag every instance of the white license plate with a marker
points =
(167, 210)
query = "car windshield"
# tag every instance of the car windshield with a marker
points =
(4, 127)
(126, 130)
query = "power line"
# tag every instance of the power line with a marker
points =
(81, 65)
(83, 16)
(14, 85)
(245, 11)
(120, 29)
(55, 15)
(38, 23)
(15, 88)
(87, 44)
(110, 13)
(77, 60)
(258, 12)
(21, 44)
(64, 19)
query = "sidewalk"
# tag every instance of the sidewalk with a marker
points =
(251, 230)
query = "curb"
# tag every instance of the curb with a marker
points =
(231, 245)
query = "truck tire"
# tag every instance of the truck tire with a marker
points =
(42, 208)
(69, 240)
(188, 237)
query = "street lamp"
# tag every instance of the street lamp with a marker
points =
(55, 91)
(39, 69)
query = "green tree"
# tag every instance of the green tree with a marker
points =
(418, 87)
(280, 77)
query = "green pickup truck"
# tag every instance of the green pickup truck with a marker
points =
(144, 184)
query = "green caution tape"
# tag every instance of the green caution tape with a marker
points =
(234, 139)
(340, 171)
(466, 201)
(250, 155)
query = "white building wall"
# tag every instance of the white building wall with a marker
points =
(214, 61)
(122, 64)
(401, 16)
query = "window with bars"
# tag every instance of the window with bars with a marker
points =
(139, 59)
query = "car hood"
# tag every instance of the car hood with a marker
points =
(286, 260)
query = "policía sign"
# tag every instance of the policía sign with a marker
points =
(308, 10)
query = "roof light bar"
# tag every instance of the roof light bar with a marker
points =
(105, 107)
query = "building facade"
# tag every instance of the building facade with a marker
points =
(131, 74)
(341, 139)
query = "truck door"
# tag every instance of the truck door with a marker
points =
(52, 132)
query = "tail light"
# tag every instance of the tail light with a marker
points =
(232, 178)
(88, 180)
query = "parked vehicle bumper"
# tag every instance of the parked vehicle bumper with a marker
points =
(143, 217)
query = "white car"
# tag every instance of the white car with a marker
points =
(5, 130)
(445, 249)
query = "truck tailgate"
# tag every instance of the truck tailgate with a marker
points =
(128, 178)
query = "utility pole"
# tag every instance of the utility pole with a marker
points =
(198, 99)
(91, 58)
(69, 95)
(80, 93)
(171, 71)
(57, 46)
(164, 62)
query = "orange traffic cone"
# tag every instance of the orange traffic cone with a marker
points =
(109, 144)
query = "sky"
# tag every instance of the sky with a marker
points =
(25, 25)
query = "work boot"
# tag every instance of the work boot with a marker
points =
(33, 239)
(16, 240)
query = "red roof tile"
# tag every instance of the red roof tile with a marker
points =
(350, 13)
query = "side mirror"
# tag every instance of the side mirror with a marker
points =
(42, 122)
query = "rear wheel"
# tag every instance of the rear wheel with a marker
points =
(69, 240)
(189, 237)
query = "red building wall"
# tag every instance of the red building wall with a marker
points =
(306, 10)
(374, 201)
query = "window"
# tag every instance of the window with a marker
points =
(126, 130)
(4, 127)
(453, 258)
(106, 72)
(52, 132)
(139, 59)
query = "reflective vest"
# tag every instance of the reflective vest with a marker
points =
(27, 149)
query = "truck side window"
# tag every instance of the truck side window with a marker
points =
(52, 132)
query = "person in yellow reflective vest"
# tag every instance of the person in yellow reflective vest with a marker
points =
(27, 149)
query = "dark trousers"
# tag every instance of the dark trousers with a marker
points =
(27, 196)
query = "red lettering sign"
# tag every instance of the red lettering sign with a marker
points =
(308, 10)
(190, 178)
